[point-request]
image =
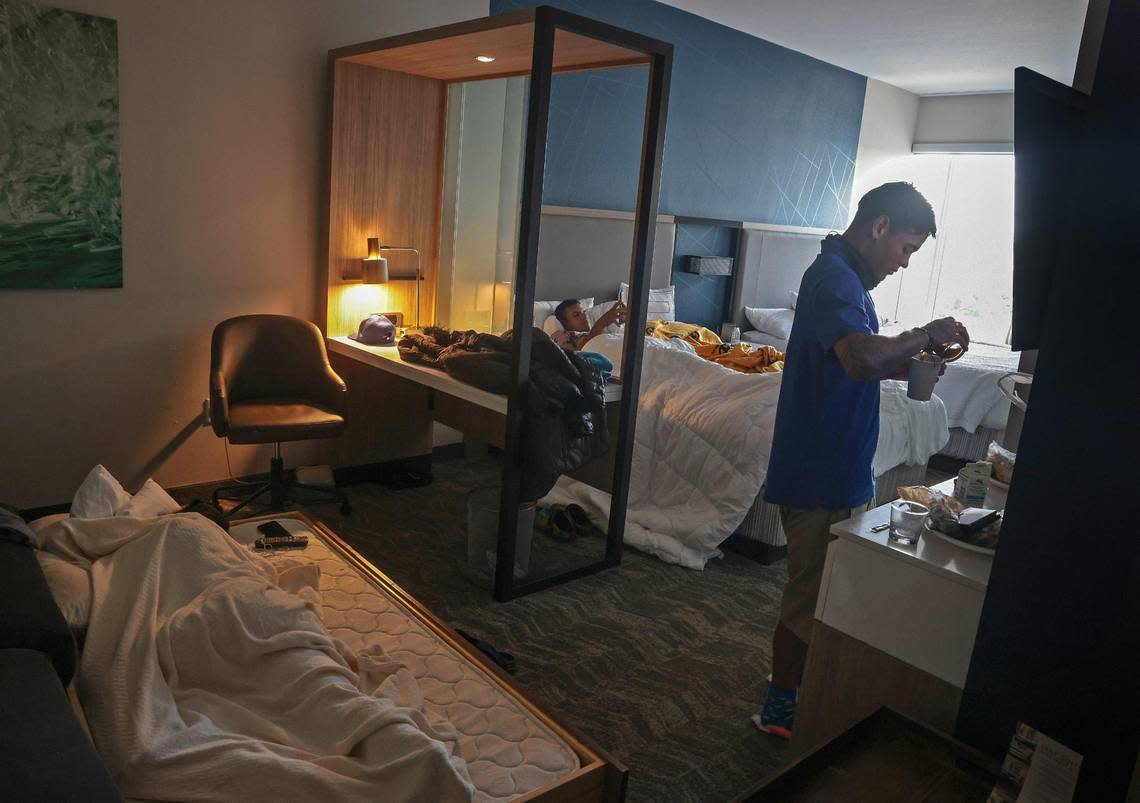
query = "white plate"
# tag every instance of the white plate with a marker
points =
(928, 530)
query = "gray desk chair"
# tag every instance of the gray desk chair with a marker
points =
(270, 381)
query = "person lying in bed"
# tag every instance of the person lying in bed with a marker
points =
(576, 328)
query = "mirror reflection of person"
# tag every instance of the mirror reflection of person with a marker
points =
(827, 421)
(576, 329)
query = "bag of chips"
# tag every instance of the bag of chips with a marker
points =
(1002, 460)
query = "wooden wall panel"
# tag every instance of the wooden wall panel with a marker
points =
(386, 179)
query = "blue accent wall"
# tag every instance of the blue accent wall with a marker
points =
(755, 131)
(702, 299)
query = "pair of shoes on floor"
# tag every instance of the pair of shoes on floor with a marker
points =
(562, 522)
(779, 712)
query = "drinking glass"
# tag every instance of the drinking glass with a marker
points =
(906, 521)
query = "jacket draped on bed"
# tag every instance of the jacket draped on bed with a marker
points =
(565, 423)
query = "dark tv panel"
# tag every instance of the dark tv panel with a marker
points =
(1048, 120)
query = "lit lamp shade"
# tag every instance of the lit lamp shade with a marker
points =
(375, 271)
(375, 266)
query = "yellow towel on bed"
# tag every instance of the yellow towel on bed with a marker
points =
(744, 358)
(665, 330)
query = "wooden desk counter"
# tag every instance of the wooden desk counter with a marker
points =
(456, 404)
(387, 358)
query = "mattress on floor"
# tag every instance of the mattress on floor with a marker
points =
(509, 752)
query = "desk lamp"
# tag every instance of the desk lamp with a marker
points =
(376, 268)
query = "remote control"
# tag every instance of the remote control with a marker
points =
(282, 542)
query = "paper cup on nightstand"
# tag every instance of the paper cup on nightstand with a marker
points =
(922, 375)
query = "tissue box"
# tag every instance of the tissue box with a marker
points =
(709, 266)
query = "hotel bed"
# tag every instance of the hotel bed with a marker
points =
(210, 693)
(701, 449)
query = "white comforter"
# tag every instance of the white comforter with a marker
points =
(701, 449)
(203, 679)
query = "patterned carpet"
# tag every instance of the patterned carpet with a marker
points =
(660, 666)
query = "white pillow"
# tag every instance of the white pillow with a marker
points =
(544, 309)
(597, 311)
(794, 296)
(777, 322)
(552, 325)
(150, 501)
(662, 302)
(99, 496)
(39, 525)
(70, 586)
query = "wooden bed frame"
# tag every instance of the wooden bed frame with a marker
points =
(599, 778)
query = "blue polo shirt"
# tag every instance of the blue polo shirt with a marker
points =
(827, 424)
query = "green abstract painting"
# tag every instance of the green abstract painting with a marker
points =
(60, 194)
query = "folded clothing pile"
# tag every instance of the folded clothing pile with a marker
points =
(565, 424)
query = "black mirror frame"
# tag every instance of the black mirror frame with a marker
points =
(660, 54)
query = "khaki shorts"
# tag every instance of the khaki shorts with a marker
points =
(808, 533)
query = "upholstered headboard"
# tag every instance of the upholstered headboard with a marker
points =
(585, 253)
(771, 264)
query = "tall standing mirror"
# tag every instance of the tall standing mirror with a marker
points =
(442, 140)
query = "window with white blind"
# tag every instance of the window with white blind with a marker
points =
(967, 270)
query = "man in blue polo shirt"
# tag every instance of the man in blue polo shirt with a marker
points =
(827, 421)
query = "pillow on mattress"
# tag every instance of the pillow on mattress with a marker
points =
(99, 496)
(776, 322)
(150, 501)
(552, 325)
(544, 309)
(37, 525)
(662, 302)
(70, 586)
(598, 310)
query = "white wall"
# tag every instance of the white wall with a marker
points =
(223, 139)
(886, 133)
(476, 223)
(953, 119)
(485, 132)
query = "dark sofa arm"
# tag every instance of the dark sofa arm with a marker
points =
(44, 753)
(29, 617)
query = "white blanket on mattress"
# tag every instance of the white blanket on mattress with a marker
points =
(701, 446)
(203, 679)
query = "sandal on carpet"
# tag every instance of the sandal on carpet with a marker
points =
(579, 519)
(555, 522)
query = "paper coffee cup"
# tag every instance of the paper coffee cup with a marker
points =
(922, 375)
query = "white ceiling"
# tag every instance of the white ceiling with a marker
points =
(926, 46)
